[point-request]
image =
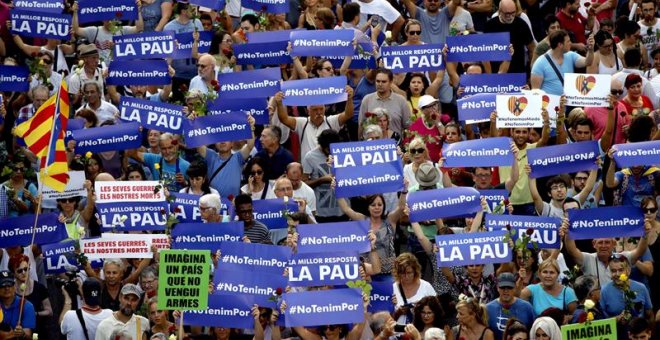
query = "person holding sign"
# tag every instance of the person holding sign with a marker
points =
(167, 166)
(10, 304)
(557, 187)
(627, 193)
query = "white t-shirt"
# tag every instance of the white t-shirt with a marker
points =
(72, 328)
(307, 193)
(105, 112)
(308, 140)
(377, 7)
(425, 289)
(107, 326)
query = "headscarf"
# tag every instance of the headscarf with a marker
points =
(548, 325)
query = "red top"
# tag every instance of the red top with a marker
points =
(575, 24)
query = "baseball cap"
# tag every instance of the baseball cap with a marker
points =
(506, 280)
(6, 278)
(92, 292)
(425, 101)
(131, 289)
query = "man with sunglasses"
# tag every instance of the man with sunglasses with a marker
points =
(53, 79)
(11, 327)
(521, 36)
(206, 73)
(649, 26)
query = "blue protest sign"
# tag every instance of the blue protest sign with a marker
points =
(152, 115)
(107, 138)
(186, 208)
(146, 45)
(342, 236)
(324, 307)
(268, 6)
(136, 216)
(363, 57)
(271, 53)
(14, 78)
(619, 221)
(249, 84)
(472, 248)
(320, 269)
(479, 47)
(364, 168)
(633, 154)
(483, 152)
(59, 257)
(98, 10)
(269, 36)
(205, 236)
(495, 197)
(213, 4)
(381, 296)
(17, 231)
(322, 42)
(230, 311)
(50, 6)
(72, 125)
(185, 41)
(254, 257)
(217, 128)
(139, 72)
(476, 107)
(270, 212)
(564, 158)
(492, 83)
(314, 91)
(428, 205)
(236, 282)
(545, 230)
(413, 58)
(40, 24)
(256, 107)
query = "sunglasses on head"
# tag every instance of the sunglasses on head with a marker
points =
(650, 210)
(618, 257)
(416, 151)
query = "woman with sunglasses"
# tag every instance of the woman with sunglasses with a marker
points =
(70, 217)
(49, 78)
(21, 192)
(608, 59)
(33, 291)
(257, 184)
(419, 155)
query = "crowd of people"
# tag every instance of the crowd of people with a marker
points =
(529, 298)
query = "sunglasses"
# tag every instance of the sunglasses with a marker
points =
(415, 32)
(650, 210)
(202, 66)
(67, 200)
(258, 172)
(331, 327)
(47, 61)
(21, 270)
(618, 257)
(416, 151)
(616, 92)
(19, 169)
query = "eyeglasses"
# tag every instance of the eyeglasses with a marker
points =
(47, 61)
(416, 151)
(508, 14)
(616, 92)
(148, 283)
(255, 173)
(414, 32)
(581, 178)
(606, 46)
(650, 210)
(202, 66)
(409, 274)
(427, 313)
(21, 270)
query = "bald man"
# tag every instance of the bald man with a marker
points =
(206, 73)
(294, 172)
(520, 33)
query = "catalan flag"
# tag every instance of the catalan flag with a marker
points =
(44, 136)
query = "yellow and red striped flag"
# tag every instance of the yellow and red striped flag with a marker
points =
(44, 136)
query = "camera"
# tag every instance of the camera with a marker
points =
(69, 283)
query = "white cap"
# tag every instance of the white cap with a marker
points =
(425, 101)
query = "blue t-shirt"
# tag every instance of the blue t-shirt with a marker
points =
(541, 300)
(228, 180)
(637, 188)
(612, 302)
(497, 318)
(551, 83)
(29, 318)
(167, 171)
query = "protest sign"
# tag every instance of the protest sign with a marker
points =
(256, 107)
(136, 216)
(564, 158)
(439, 203)
(549, 102)
(619, 221)
(74, 188)
(495, 198)
(314, 91)
(128, 191)
(321, 42)
(158, 241)
(483, 152)
(152, 115)
(381, 296)
(270, 53)
(364, 168)
(342, 236)
(207, 130)
(59, 257)
(479, 47)
(254, 257)
(635, 154)
(183, 283)
(593, 330)
(413, 58)
(213, 4)
(145, 45)
(472, 248)
(518, 110)
(186, 208)
(544, 230)
(184, 42)
(116, 246)
(324, 307)
(268, 6)
(270, 36)
(587, 89)
(98, 10)
(271, 211)
(139, 72)
(477, 107)
(229, 311)
(233, 282)
(205, 236)
(40, 24)
(14, 78)
(328, 268)
(249, 84)
(107, 138)
(50, 6)
(72, 125)
(492, 83)
(15, 231)
(363, 57)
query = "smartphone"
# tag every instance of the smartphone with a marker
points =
(400, 328)
(375, 20)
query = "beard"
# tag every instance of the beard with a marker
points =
(126, 310)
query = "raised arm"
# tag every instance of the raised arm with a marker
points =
(588, 186)
(75, 27)
(247, 148)
(538, 201)
(606, 140)
(348, 111)
(610, 179)
(571, 248)
(515, 172)
(346, 209)
(282, 114)
(165, 14)
(545, 133)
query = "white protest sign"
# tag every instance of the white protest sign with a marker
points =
(132, 246)
(113, 192)
(518, 110)
(161, 241)
(548, 102)
(73, 189)
(589, 90)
